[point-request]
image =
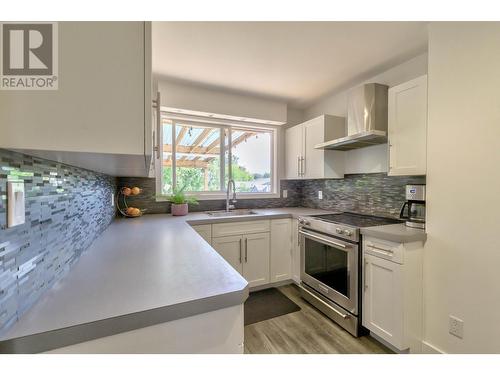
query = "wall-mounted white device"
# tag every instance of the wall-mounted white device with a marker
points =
(15, 203)
(320, 194)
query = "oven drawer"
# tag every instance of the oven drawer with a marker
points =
(384, 249)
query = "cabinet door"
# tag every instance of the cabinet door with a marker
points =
(295, 251)
(281, 250)
(256, 259)
(383, 299)
(231, 249)
(407, 128)
(204, 231)
(99, 105)
(293, 146)
(313, 166)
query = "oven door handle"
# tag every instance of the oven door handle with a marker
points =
(307, 234)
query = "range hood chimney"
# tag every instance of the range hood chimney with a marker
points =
(366, 119)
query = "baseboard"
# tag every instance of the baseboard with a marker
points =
(271, 285)
(428, 348)
(390, 346)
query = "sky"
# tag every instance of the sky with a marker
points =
(254, 154)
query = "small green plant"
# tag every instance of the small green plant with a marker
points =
(179, 197)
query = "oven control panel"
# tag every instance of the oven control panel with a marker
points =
(332, 229)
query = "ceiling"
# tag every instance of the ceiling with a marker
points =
(295, 61)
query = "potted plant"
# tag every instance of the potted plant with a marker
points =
(180, 202)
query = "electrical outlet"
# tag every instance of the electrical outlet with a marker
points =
(285, 193)
(456, 327)
(320, 194)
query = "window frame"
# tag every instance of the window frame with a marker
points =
(215, 195)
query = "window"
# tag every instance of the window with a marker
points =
(201, 158)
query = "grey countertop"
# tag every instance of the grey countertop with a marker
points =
(395, 232)
(139, 272)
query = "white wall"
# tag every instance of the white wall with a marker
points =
(462, 253)
(213, 100)
(372, 159)
(205, 99)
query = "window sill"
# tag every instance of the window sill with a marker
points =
(218, 196)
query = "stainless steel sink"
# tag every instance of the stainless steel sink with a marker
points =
(239, 212)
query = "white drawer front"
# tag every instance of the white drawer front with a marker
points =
(240, 227)
(384, 249)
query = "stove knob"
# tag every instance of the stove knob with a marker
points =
(338, 230)
(348, 233)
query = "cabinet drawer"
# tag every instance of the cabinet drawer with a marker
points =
(384, 249)
(240, 227)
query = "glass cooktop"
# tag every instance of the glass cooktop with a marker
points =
(357, 220)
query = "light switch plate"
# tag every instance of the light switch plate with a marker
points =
(320, 194)
(285, 193)
(15, 203)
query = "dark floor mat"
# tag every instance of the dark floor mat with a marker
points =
(267, 304)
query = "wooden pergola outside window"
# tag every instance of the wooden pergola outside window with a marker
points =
(199, 146)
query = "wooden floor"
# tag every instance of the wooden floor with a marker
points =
(305, 331)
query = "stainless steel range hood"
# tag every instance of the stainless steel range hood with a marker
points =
(366, 119)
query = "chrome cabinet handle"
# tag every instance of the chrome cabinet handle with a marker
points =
(157, 105)
(246, 250)
(380, 250)
(298, 166)
(364, 274)
(302, 166)
(240, 251)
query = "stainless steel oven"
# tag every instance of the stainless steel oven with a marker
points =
(329, 268)
(330, 264)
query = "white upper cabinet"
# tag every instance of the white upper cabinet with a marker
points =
(293, 146)
(100, 116)
(407, 128)
(303, 161)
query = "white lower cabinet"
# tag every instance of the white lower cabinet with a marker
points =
(392, 292)
(205, 231)
(256, 258)
(259, 250)
(295, 251)
(383, 304)
(231, 249)
(281, 250)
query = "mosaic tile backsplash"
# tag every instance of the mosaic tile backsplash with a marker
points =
(148, 202)
(372, 194)
(66, 209)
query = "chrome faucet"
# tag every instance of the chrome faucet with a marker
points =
(230, 206)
